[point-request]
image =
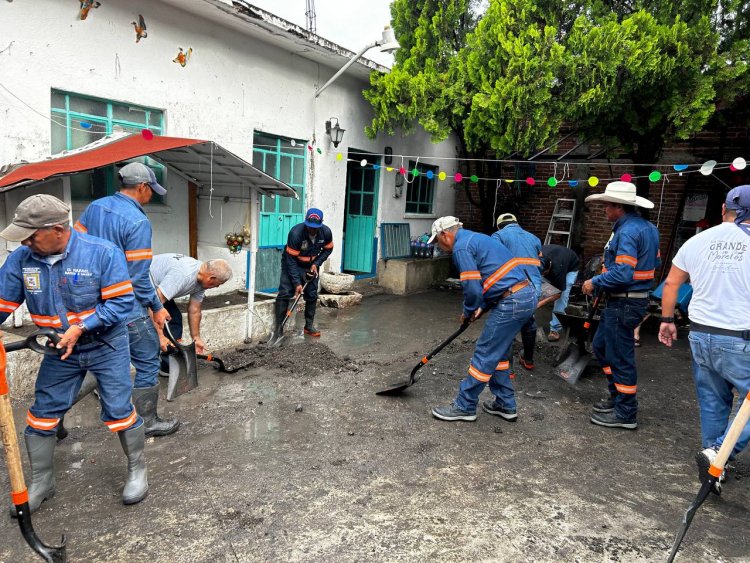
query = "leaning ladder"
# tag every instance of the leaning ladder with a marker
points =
(561, 222)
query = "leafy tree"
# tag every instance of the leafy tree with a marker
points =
(632, 75)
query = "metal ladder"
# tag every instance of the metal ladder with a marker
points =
(561, 222)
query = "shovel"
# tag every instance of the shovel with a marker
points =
(576, 356)
(399, 387)
(19, 493)
(183, 367)
(222, 366)
(273, 343)
(714, 472)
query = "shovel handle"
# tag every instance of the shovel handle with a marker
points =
(18, 493)
(738, 425)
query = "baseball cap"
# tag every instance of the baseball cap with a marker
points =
(738, 197)
(442, 224)
(36, 212)
(313, 218)
(138, 173)
(506, 218)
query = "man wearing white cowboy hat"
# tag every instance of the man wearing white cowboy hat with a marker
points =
(631, 257)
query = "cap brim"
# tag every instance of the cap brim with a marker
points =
(313, 225)
(14, 233)
(157, 188)
(429, 240)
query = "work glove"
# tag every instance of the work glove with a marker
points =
(309, 275)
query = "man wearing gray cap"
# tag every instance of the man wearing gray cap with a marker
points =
(77, 285)
(717, 261)
(120, 218)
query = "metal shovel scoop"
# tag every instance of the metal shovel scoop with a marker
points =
(397, 388)
(183, 367)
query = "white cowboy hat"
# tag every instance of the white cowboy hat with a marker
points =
(621, 192)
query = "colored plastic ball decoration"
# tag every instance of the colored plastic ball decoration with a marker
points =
(530, 181)
(474, 178)
(552, 182)
(626, 177)
(442, 176)
(458, 177)
(654, 176)
(593, 181)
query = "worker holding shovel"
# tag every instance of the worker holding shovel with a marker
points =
(494, 282)
(631, 257)
(308, 246)
(79, 286)
(717, 261)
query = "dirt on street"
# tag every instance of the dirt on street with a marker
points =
(295, 458)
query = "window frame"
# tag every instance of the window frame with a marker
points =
(421, 181)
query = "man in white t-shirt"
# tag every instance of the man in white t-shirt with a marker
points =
(177, 275)
(717, 261)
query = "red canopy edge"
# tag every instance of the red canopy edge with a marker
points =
(126, 148)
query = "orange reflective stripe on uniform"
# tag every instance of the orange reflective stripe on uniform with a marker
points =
(41, 320)
(328, 246)
(502, 366)
(604, 269)
(625, 259)
(292, 251)
(41, 423)
(117, 289)
(76, 317)
(626, 389)
(643, 275)
(8, 306)
(471, 275)
(142, 254)
(305, 258)
(80, 228)
(478, 375)
(123, 424)
(607, 370)
(507, 267)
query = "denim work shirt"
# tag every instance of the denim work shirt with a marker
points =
(523, 244)
(90, 284)
(631, 256)
(301, 252)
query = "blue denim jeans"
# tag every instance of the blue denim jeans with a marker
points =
(562, 302)
(491, 361)
(144, 351)
(720, 364)
(58, 383)
(614, 347)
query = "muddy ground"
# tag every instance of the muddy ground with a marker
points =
(296, 459)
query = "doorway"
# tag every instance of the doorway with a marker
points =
(361, 212)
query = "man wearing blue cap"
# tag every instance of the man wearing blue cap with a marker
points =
(717, 261)
(309, 244)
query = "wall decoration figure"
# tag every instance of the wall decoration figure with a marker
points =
(140, 29)
(183, 56)
(86, 5)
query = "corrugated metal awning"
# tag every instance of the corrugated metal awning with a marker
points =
(203, 162)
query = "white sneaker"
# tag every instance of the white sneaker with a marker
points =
(705, 459)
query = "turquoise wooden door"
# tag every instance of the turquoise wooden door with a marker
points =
(361, 213)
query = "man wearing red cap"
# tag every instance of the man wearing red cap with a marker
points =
(717, 261)
(309, 244)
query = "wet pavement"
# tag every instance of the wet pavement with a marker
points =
(296, 459)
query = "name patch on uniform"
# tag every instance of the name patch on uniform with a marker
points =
(32, 279)
(78, 273)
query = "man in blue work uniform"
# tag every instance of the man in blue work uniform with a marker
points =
(493, 283)
(120, 219)
(79, 286)
(308, 245)
(630, 259)
(523, 244)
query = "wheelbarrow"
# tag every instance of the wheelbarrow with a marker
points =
(19, 494)
(574, 355)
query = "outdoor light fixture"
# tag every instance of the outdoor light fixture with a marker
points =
(387, 44)
(336, 133)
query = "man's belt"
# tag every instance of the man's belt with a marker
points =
(519, 286)
(631, 294)
(744, 334)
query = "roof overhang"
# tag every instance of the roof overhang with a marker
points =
(204, 163)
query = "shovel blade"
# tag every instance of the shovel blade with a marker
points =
(183, 372)
(573, 366)
(688, 516)
(395, 389)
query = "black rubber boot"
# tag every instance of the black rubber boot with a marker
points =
(310, 318)
(528, 339)
(136, 485)
(41, 451)
(280, 309)
(146, 401)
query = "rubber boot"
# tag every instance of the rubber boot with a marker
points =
(88, 385)
(146, 400)
(280, 309)
(528, 338)
(136, 485)
(310, 317)
(41, 451)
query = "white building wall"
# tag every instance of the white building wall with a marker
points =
(232, 85)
